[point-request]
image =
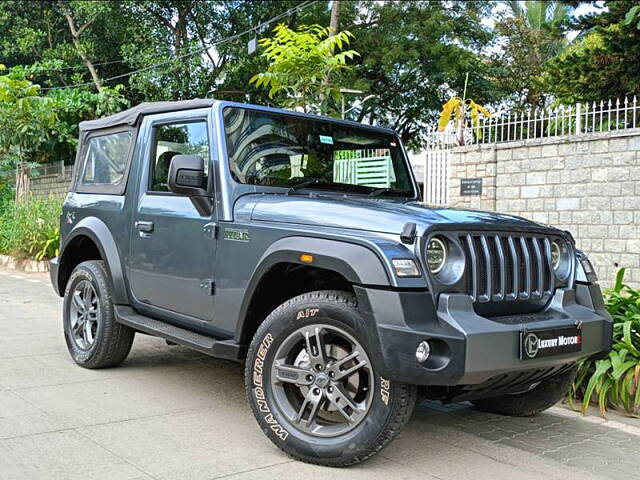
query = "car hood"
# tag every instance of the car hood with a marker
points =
(376, 214)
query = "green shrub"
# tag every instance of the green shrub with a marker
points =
(30, 229)
(615, 380)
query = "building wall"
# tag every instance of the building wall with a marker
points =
(589, 185)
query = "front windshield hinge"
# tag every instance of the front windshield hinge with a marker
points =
(408, 234)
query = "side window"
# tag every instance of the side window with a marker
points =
(105, 163)
(176, 139)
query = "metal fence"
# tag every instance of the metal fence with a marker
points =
(55, 168)
(565, 120)
(577, 119)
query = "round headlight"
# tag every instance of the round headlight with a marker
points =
(556, 254)
(436, 254)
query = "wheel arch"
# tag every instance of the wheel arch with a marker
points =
(91, 239)
(334, 265)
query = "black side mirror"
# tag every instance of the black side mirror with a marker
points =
(186, 177)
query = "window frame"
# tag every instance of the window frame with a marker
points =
(121, 188)
(153, 147)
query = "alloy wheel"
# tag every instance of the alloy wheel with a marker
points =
(322, 380)
(84, 314)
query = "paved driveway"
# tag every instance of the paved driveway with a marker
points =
(169, 413)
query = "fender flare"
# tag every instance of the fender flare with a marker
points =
(356, 263)
(99, 233)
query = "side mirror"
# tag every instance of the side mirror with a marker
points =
(186, 177)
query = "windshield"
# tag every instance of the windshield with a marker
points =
(282, 150)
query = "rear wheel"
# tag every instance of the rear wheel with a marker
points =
(94, 338)
(314, 386)
(539, 398)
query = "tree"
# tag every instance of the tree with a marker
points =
(72, 11)
(414, 55)
(26, 121)
(533, 33)
(603, 63)
(300, 62)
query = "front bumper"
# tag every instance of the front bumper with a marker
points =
(468, 349)
(54, 265)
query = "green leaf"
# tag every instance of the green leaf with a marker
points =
(631, 14)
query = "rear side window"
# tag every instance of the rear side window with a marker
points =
(105, 164)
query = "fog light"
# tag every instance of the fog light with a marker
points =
(423, 351)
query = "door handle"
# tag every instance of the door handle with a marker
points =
(146, 227)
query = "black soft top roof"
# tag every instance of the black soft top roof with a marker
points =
(131, 115)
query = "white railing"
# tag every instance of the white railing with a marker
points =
(565, 120)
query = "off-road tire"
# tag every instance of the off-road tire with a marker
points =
(113, 340)
(391, 402)
(540, 398)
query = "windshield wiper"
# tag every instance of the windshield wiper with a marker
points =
(306, 183)
(379, 191)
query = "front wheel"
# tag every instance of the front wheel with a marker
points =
(314, 385)
(541, 397)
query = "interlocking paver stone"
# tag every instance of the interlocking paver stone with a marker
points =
(169, 412)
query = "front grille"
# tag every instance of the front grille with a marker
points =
(505, 267)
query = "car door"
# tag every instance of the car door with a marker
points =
(172, 247)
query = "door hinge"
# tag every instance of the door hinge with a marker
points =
(209, 286)
(210, 230)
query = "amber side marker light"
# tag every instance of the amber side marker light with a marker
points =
(306, 258)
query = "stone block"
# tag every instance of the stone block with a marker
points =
(618, 144)
(568, 204)
(550, 150)
(633, 246)
(597, 146)
(536, 178)
(634, 143)
(529, 192)
(504, 154)
(520, 153)
(535, 205)
(632, 203)
(623, 217)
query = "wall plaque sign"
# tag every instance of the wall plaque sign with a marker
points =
(471, 186)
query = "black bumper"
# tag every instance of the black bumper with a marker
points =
(54, 265)
(468, 349)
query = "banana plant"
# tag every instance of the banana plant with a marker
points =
(457, 108)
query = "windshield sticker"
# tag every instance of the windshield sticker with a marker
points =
(326, 139)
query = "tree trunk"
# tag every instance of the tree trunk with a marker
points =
(335, 17)
(22, 183)
(75, 37)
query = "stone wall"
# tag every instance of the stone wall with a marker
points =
(589, 185)
(51, 185)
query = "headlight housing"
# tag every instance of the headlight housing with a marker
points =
(436, 256)
(561, 260)
(585, 271)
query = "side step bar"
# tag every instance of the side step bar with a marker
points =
(227, 349)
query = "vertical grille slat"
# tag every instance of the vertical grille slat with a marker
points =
(488, 270)
(508, 267)
(502, 283)
(525, 293)
(539, 269)
(516, 269)
(474, 267)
